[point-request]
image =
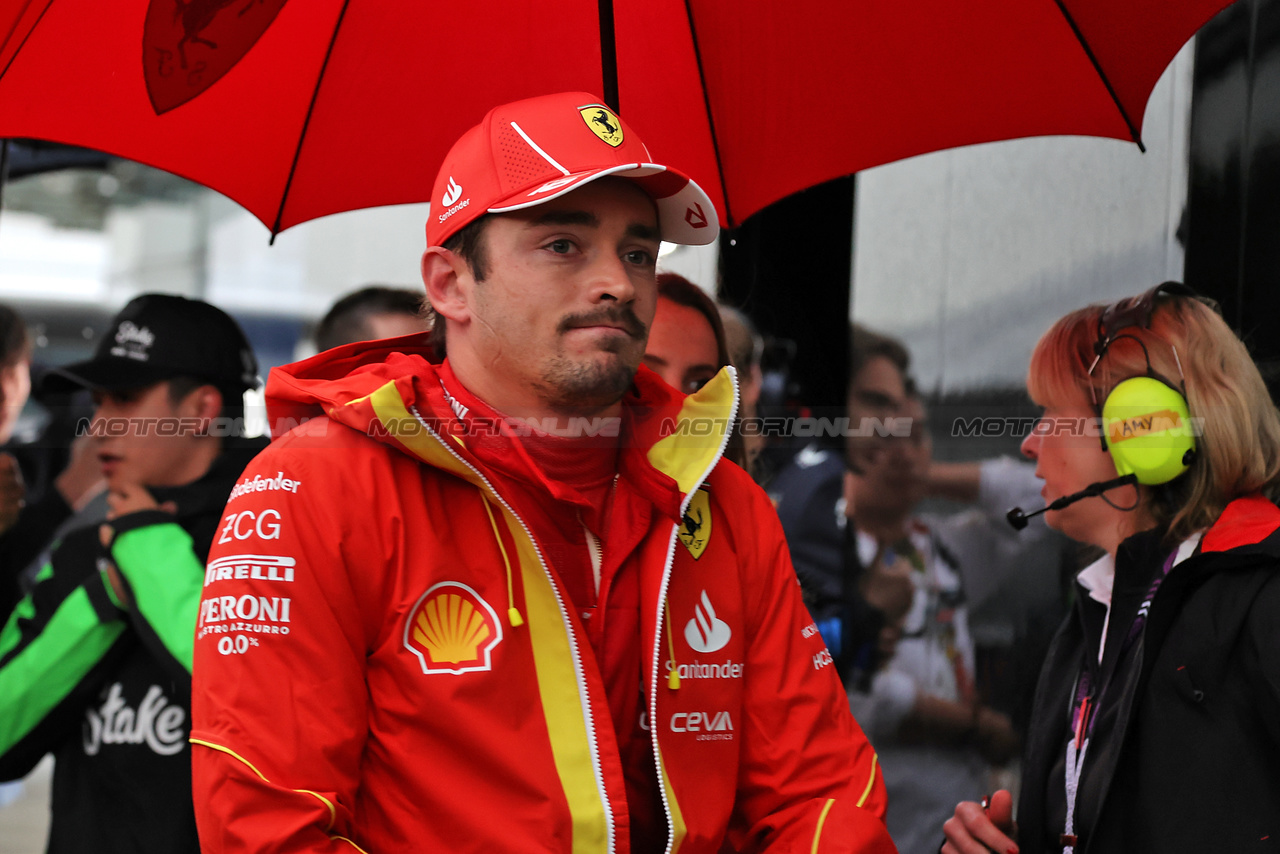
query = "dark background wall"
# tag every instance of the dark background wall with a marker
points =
(1232, 222)
(788, 267)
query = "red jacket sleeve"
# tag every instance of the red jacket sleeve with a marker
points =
(809, 781)
(279, 717)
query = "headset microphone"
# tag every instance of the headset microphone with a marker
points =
(1018, 519)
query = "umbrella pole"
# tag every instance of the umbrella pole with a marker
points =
(4, 168)
(608, 55)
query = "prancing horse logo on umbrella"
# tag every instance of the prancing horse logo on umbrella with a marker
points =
(188, 45)
(603, 123)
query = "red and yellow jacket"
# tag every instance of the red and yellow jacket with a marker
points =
(385, 662)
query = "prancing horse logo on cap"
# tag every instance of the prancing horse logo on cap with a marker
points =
(603, 123)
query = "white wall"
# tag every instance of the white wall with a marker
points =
(154, 246)
(970, 254)
(698, 264)
(314, 263)
(39, 262)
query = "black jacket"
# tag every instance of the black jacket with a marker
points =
(807, 494)
(107, 688)
(1185, 752)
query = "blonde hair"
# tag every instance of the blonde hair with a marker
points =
(1238, 443)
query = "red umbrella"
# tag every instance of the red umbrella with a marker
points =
(302, 109)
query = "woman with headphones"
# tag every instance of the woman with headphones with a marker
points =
(1156, 722)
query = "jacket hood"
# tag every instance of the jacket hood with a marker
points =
(391, 391)
(1249, 525)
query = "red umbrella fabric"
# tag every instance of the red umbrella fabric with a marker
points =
(301, 109)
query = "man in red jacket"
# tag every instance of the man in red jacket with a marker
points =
(497, 591)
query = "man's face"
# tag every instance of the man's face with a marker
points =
(682, 347)
(877, 393)
(894, 481)
(15, 387)
(561, 317)
(143, 437)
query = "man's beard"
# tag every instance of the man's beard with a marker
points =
(571, 386)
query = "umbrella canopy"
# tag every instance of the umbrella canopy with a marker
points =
(301, 109)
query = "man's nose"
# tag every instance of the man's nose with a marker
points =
(100, 416)
(611, 281)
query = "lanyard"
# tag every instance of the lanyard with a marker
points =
(1084, 707)
(1076, 749)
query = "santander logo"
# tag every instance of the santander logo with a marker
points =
(706, 632)
(452, 193)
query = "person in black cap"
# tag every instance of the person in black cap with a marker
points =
(95, 664)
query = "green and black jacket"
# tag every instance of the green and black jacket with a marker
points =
(107, 688)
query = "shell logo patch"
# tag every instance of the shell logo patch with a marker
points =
(695, 526)
(603, 123)
(451, 629)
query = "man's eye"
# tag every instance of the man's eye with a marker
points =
(560, 247)
(692, 384)
(640, 257)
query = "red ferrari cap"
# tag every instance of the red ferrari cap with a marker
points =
(529, 152)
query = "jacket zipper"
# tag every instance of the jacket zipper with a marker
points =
(662, 602)
(564, 616)
(597, 559)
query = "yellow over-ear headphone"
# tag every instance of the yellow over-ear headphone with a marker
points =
(1146, 423)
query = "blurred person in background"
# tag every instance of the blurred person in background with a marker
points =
(687, 346)
(15, 387)
(370, 313)
(30, 511)
(837, 509)
(857, 611)
(815, 496)
(686, 343)
(1156, 721)
(95, 663)
(935, 734)
(746, 348)
(15, 370)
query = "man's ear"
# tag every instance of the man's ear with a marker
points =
(207, 401)
(448, 281)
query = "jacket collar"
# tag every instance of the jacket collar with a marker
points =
(390, 390)
(1247, 521)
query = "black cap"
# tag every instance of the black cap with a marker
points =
(160, 336)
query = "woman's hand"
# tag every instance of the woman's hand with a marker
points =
(975, 830)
